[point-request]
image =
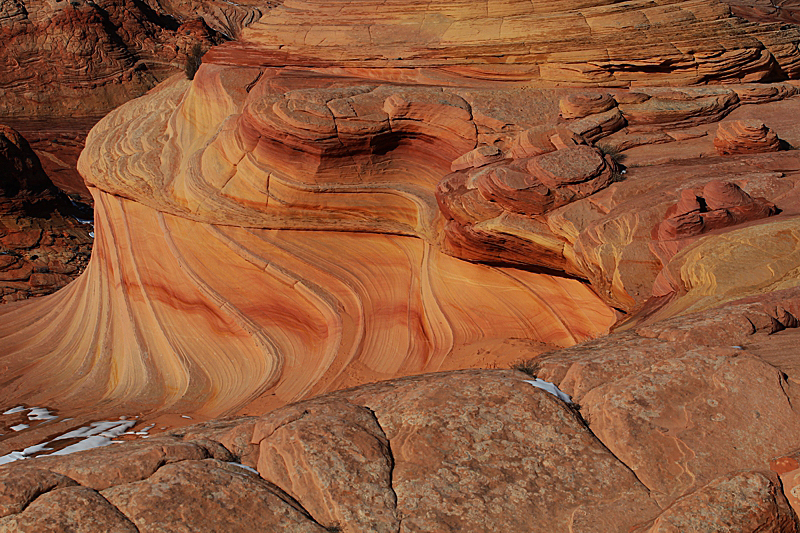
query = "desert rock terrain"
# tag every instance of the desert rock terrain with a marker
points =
(330, 246)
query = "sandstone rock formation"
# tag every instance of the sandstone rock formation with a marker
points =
(683, 425)
(328, 203)
(718, 205)
(67, 58)
(42, 245)
(745, 137)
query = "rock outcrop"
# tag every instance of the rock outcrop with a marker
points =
(295, 219)
(42, 245)
(676, 428)
(77, 58)
(745, 137)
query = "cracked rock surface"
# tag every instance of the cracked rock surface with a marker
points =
(681, 425)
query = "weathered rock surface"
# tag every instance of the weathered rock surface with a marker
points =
(745, 137)
(679, 429)
(67, 58)
(42, 245)
(76, 509)
(700, 392)
(470, 450)
(293, 220)
(747, 502)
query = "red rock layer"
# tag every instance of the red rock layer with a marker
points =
(42, 245)
(67, 58)
(745, 137)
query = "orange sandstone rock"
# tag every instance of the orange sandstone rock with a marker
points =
(745, 137)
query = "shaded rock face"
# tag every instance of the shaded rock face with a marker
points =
(42, 245)
(66, 58)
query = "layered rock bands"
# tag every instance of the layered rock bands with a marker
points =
(329, 202)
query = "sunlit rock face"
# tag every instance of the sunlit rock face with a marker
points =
(331, 202)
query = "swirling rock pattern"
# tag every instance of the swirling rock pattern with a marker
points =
(293, 220)
(745, 137)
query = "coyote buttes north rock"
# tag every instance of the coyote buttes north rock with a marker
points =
(330, 202)
(370, 191)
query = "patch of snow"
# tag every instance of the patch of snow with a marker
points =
(104, 428)
(36, 448)
(91, 234)
(96, 435)
(95, 441)
(11, 457)
(144, 430)
(549, 387)
(248, 468)
(185, 416)
(19, 427)
(40, 413)
(737, 347)
(17, 409)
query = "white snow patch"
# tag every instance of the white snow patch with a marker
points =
(17, 409)
(19, 427)
(40, 413)
(248, 468)
(11, 457)
(91, 234)
(108, 429)
(186, 416)
(95, 441)
(551, 388)
(96, 435)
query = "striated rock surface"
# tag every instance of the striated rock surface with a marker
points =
(593, 43)
(297, 217)
(295, 313)
(745, 137)
(682, 425)
(42, 245)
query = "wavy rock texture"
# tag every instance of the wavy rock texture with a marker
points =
(194, 316)
(276, 228)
